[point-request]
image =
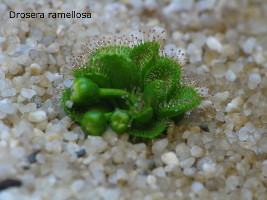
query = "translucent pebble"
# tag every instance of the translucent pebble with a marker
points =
(218, 69)
(23, 59)
(77, 185)
(9, 92)
(246, 131)
(189, 171)
(196, 151)
(214, 44)
(209, 169)
(2, 115)
(53, 48)
(223, 96)
(28, 93)
(182, 150)
(259, 57)
(69, 104)
(159, 146)
(70, 136)
(160, 172)
(231, 108)
(249, 45)
(6, 106)
(253, 80)
(195, 53)
(37, 116)
(31, 42)
(60, 30)
(238, 101)
(231, 183)
(95, 144)
(30, 107)
(220, 116)
(187, 162)
(68, 83)
(196, 187)
(170, 158)
(151, 179)
(235, 66)
(2, 57)
(37, 34)
(230, 75)
(18, 152)
(50, 76)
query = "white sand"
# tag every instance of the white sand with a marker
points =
(217, 152)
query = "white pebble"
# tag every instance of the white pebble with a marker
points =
(60, 30)
(187, 162)
(6, 106)
(253, 80)
(159, 146)
(209, 169)
(37, 116)
(230, 75)
(35, 69)
(151, 179)
(196, 187)
(28, 93)
(189, 171)
(18, 152)
(31, 42)
(70, 136)
(2, 115)
(244, 133)
(170, 158)
(259, 57)
(249, 45)
(9, 92)
(69, 104)
(231, 183)
(53, 48)
(231, 108)
(160, 172)
(223, 96)
(51, 77)
(196, 151)
(77, 185)
(214, 44)
(30, 107)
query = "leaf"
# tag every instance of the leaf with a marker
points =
(100, 79)
(183, 99)
(166, 70)
(154, 93)
(151, 131)
(122, 73)
(144, 52)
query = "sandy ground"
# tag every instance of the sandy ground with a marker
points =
(217, 152)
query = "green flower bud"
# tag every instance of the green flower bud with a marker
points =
(120, 121)
(94, 122)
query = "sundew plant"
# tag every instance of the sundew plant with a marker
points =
(130, 85)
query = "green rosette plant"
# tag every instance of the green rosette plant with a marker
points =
(130, 86)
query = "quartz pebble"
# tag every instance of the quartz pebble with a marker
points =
(159, 146)
(28, 93)
(218, 151)
(214, 44)
(170, 158)
(254, 80)
(37, 116)
(196, 151)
